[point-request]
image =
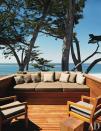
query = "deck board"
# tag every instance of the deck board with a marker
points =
(47, 117)
(41, 118)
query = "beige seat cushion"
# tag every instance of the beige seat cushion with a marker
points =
(64, 77)
(49, 87)
(12, 111)
(26, 86)
(74, 87)
(81, 111)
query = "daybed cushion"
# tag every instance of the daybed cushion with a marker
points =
(74, 87)
(80, 111)
(26, 86)
(49, 86)
(12, 111)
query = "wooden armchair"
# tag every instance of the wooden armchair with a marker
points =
(88, 112)
(12, 110)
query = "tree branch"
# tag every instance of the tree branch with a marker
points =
(95, 52)
(15, 54)
(92, 65)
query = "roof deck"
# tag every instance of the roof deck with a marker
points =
(44, 117)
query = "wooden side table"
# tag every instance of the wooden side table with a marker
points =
(72, 124)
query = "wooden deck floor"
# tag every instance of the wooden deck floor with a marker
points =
(41, 118)
(48, 117)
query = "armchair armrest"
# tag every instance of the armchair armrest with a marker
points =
(83, 98)
(8, 98)
(12, 106)
(69, 103)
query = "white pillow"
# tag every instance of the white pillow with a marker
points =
(48, 77)
(72, 77)
(80, 79)
(64, 77)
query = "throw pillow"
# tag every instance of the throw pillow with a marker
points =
(80, 79)
(72, 77)
(64, 77)
(35, 77)
(57, 76)
(27, 78)
(48, 77)
(19, 79)
(42, 74)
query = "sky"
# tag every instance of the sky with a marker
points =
(90, 24)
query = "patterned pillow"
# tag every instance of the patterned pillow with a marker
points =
(57, 75)
(35, 77)
(42, 74)
(64, 77)
(48, 77)
(19, 79)
(80, 79)
(27, 78)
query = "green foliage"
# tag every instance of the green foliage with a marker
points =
(94, 38)
(19, 19)
(43, 64)
(58, 16)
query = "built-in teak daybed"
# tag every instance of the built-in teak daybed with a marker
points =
(50, 87)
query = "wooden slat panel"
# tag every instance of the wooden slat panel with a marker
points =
(53, 98)
(95, 86)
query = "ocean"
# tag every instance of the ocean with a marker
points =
(7, 69)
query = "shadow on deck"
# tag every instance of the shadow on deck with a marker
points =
(20, 126)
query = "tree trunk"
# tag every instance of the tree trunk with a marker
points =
(92, 65)
(27, 67)
(77, 59)
(65, 55)
(36, 31)
(69, 24)
(21, 67)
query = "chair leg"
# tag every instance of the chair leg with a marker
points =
(91, 127)
(26, 120)
(16, 118)
(0, 125)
